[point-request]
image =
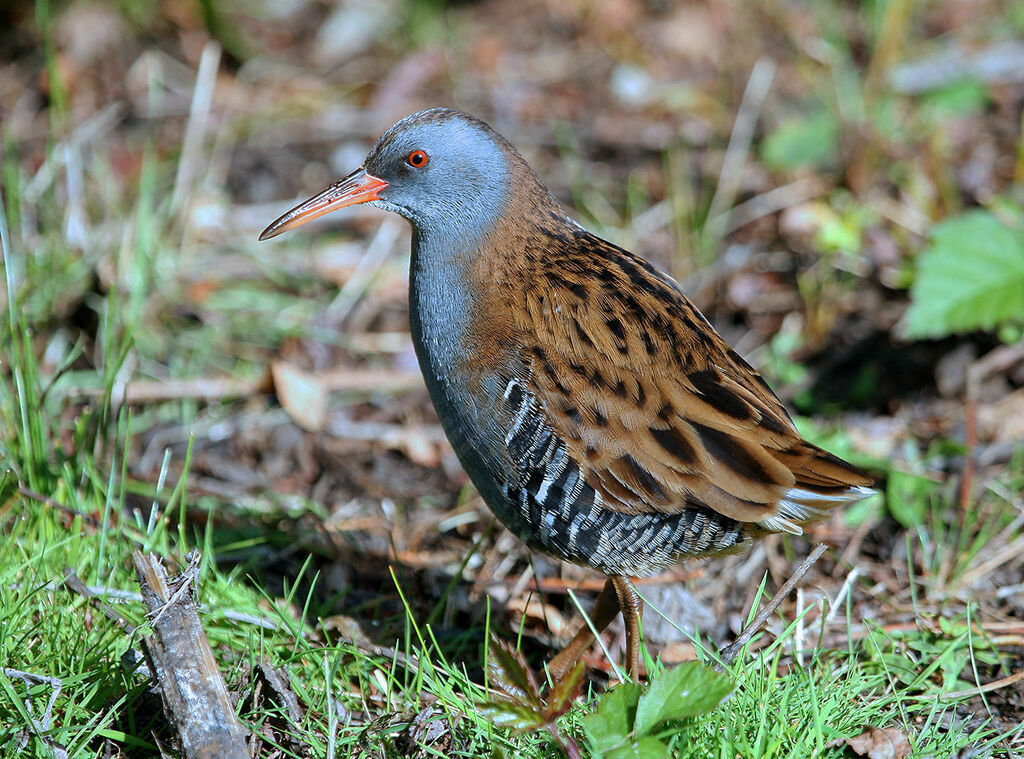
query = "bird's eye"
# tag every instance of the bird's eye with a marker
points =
(417, 159)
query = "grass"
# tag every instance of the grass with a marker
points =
(363, 702)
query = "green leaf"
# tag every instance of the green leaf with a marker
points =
(971, 277)
(510, 672)
(960, 98)
(684, 691)
(810, 141)
(612, 722)
(513, 715)
(644, 747)
(908, 496)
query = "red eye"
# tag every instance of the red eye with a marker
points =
(417, 159)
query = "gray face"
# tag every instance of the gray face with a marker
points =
(446, 174)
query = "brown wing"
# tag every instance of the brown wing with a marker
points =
(656, 408)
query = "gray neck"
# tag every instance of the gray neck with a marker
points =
(452, 207)
(440, 302)
(446, 241)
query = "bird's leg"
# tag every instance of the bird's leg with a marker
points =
(605, 609)
(632, 609)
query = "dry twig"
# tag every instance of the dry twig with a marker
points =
(41, 727)
(739, 144)
(729, 653)
(1004, 682)
(51, 503)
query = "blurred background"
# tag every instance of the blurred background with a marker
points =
(836, 185)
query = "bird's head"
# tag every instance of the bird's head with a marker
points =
(445, 171)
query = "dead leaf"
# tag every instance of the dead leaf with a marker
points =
(340, 625)
(538, 610)
(678, 651)
(1002, 421)
(878, 743)
(302, 395)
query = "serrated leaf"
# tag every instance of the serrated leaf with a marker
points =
(565, 689)
(511, 674)
(971, 277)
(810, 141)
(612, 722)
(684, 691)
(644, 747)
(512, 715)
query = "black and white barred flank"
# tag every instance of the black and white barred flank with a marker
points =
(566, 517)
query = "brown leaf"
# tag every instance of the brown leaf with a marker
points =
(1002, 421)
(346, 627)
(302, 395)
(678, 651)
(565, 690)
(879, 743)
(534, 608)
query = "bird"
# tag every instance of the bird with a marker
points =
(599, 414)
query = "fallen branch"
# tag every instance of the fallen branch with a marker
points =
(194, 694)
(220, 388)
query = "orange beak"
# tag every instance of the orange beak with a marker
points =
(357, 187)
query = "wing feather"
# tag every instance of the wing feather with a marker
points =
(657, 410)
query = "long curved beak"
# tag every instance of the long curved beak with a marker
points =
(357, 187)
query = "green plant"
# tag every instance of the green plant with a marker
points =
(520, 705)
(628, 719)
(971, 277)
(805, 141)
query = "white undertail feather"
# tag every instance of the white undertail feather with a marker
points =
(796, 507)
